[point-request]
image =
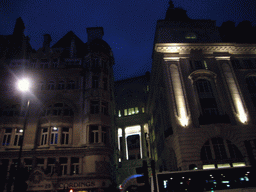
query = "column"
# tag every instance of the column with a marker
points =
(123, 144)
(143, 142)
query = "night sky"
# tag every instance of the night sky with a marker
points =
(129, 25)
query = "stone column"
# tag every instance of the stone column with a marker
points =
(143, 142)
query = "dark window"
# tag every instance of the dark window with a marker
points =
(95, 82)
(94, 134)
(105, 83)
(251, 84)
(219, 149)
(95, 108)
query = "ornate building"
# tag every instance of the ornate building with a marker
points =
(202, 97)
(65, 123)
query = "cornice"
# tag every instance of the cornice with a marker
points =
(231, 48)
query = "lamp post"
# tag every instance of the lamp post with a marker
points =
(19, 182)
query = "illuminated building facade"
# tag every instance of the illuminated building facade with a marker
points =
(70, 123)
(132, 127)
(202, 96)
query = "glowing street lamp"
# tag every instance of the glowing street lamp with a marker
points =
(24, 85)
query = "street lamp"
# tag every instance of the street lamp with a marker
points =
(23, 86)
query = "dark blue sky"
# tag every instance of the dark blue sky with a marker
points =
(129, 25)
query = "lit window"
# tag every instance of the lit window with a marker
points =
(119, 113)
(131, 111)
(136, 110)
(54, 135)
(18, 137)
(7, 137)
(142, 110)
(125, 112)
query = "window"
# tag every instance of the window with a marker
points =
(57, 135)
(74, 166)
(41, 85)
(95, 107)
(104, 108)
(131, 111)
(51, 85)
(65, 136)
(94, 136)
(105, 83)
(28, 164)
(119, 113)
(51, 165)
(40, 163)
(220, 149)
(63, 166)
(136, 110)
(251, 84)
(18, 138)
(58, 109)
(44, 136)
(71, 84)
(95, 62)
(125, 112)
(55, 63)
(54, 135)
(95, 82)
(61, 85)
(206, 97)
(198, 64)
(7, 136)
(104, 135)
(44, 63)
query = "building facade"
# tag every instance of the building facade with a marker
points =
(65, 123)
(201, 102)
(132, 128)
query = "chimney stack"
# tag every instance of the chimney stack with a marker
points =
(94, 33)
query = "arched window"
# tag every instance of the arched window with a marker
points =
(220, 150)
(251, 84)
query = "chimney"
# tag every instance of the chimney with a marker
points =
(94, 33)
(47, 40)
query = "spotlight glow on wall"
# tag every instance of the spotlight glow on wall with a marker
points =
(179, 95)
(237, 99)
